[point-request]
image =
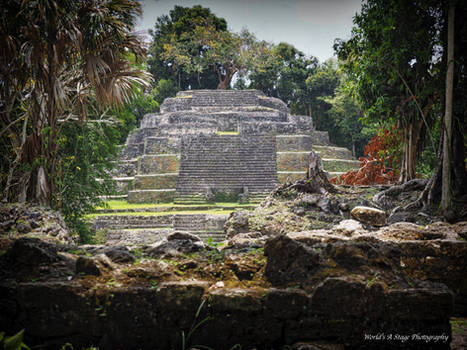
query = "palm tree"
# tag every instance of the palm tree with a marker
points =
(58, 57)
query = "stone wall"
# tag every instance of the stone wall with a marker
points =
(121, 227)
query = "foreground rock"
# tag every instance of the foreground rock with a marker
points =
(370, 216)
(18, 220)
(312, 288)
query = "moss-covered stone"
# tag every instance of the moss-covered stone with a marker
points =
(151, 196)
(161, 145)
(124, 185)
(159, 164)
(292, 161)
(290, 176)
(338, 165)
(156, 181)
(333, 152)
(293, 143)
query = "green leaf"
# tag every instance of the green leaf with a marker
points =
(14, 342)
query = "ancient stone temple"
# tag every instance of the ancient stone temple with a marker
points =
(221, 145)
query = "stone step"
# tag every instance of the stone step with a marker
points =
(235, 179)
(113, 196)
(200, 197)
(340, 165)
(292, 161)
(170, 208)
(290, 176)
(298, 161)
(188, 222)
(124, 184)
(290, 143)
(320, 138)
(132, 221)
(209, 155)
(137, 236)
(156, 181)
(151, 196)
(215, 237)
(238, 188)
(331, 152)
(146, 236)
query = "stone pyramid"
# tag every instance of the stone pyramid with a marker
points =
(221, 145)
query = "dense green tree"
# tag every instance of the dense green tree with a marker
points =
(88, 152)
(224, 52)
(392, 59)
(345, 116)
(283, 75)
(164, 88)
(61, 61)
(397, 59)
(181, 22)
(318, 86)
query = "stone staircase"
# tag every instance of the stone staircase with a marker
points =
(227, 166)
(138, 229)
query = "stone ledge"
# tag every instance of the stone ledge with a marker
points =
(158, 164)
(156, 181)
(151, 196)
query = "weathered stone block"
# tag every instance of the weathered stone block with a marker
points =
(151, 196)
(333, 152)
(159, 164)
(133, 221)
(162, 145)
(320, 138)
(156, 181)
(290, 176)
(293, 143)
(340, 165)
(304, 123)
(292, 161)
(124, 184)
(267, 128)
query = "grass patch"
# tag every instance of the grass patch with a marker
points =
(459, 325)
(119, 204)
(151, 213)
(227, 133)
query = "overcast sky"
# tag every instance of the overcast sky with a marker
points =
(309, 25)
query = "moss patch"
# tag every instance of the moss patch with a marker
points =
(227, 133)
(118, 204)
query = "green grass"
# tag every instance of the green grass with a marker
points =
(150, 213)
(227, 133)
(118, 204)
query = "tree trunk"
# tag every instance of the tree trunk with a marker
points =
(411, 145)
(224, 81)
(222, 85)
(446, 195)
